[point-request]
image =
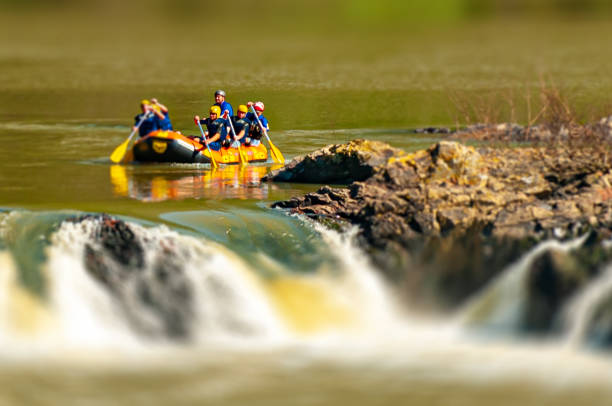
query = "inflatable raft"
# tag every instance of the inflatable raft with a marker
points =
(169, 146)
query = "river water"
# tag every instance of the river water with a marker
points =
(284, 312)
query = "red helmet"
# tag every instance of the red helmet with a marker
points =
(259, 106)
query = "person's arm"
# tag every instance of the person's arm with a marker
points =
(243, 132)
(214, 137)
(159, 114)
(163, 108)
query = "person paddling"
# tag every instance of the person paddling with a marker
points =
(163, 123)
(241, 126)
(216, 128)
(223, 105)
(256, 133)
(151, 119)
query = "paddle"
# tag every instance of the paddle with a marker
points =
(119, 152)
(243, 158)
(275, 152)
(214, 163)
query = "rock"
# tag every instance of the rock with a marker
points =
(156, 298)
(438, 196)
(552, 278)
(599, 329)
(337, 164)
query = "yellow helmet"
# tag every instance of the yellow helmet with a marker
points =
(243, 109)
(156, 108)
(216, 110)
(144, 102)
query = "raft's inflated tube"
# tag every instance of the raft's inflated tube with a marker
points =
(169, 146)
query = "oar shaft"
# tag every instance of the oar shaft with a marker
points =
(242, 157)
(274, 152)
(212, 159)
(144, 117)
(263, 129)
(119, 153)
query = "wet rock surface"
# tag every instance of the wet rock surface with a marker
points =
(442, 222)
(154, 294)
(336, 164)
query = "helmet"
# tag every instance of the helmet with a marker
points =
(144, 102)
(243, 109)
(221, 92)
(259, 106)
(216, 110)
(156, 108)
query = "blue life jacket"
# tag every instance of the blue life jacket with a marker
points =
(225, 106)
(216, 126)
(165, 124)
(240, 124)
(256, 132)
(148, 125)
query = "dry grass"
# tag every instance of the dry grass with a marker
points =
(546, 115)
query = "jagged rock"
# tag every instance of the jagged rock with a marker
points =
(157, 298)
(338, 164)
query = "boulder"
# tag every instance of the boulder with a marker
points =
(336, 164)
(157, 297)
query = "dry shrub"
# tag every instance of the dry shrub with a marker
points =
(548, 110)
(556, 111)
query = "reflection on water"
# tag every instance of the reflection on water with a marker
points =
(160, 183)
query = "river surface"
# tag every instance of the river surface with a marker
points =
(286, 312)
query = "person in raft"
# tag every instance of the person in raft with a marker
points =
(256, 133)
(151, 119)
(164, 123)
(216, 128)
(223, 105)
(241, 126)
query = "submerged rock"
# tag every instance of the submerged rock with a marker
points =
(155, 295)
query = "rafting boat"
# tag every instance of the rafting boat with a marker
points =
(170, 146)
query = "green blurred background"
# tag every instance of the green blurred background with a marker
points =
(317, 64)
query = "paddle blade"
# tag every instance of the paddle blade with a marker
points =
(276, 154)
(119, 152)
(215, 165)
(243, 157)
(213, 161)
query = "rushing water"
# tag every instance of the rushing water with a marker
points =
(280, 311)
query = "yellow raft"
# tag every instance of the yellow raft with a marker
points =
(170, 146)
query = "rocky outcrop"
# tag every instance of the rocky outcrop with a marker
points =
(450, 217)
(336, 164)
(516, 192)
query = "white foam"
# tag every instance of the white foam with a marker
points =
(501, 302)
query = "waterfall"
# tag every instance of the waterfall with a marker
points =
(499, 306)
(580, 312)
(188, 290)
